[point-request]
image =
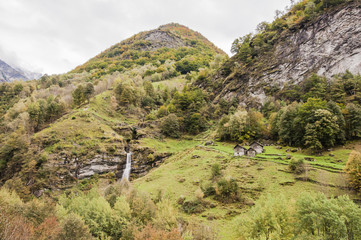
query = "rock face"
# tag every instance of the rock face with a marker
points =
(159, 39)
(8, 73)
(327, 46)
(99, 165)
(143, 160)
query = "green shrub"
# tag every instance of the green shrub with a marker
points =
(353, 170)
(73, 227)
(216, 170)
(195, 123)
(191, 207)
(297, 166)
(209, 190)
(162, 112)
(170, 126)
(227, 190)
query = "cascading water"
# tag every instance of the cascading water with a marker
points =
(128, 166)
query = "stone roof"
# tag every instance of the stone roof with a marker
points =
(251, 149)
(257, 144)
(239, 146)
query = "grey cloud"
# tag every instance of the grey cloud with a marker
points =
(44, 33)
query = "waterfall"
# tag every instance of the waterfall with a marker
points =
(128, 166)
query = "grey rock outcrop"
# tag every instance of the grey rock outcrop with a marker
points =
(143, 160)
(327, 46)
(99, 165)
(160, 39)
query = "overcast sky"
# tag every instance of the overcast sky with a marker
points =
(55, 36)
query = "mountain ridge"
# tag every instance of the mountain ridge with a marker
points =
(9, 73)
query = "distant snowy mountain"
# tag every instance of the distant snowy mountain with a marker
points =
(9, 73)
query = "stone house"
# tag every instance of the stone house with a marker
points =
(239, 150)
(257, 147)
(251, 152)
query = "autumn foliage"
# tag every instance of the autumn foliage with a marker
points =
(151, 233)
(353, 169)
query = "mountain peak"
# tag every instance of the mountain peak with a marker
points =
(172, 41)
(9, 73)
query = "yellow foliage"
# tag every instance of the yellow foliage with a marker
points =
(353, 169)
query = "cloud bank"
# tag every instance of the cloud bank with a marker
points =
(56, 36)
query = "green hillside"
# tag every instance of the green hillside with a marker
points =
(173, 43)
(155, 97)
(267, 176)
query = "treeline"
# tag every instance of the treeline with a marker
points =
(342, 89)
(322, 113)
(316, 114)
(185, 111)
(316, 124)
(120, 212)
(181, 112)
(10, 93)
(311, 216)
(29, 107)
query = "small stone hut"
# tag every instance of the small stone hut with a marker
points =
(239, 150)
(257, 147)
(251, 152)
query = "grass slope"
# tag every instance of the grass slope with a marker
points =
(190, 167)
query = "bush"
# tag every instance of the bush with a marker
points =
(195, 123)
(209, 190)
(353, 169)
(312, 216)
(196, 230)
(96, 212)
(162, 112)
(73, 227)
(191, 207)
(14, 227)
(216, 170)
(166, 215)
(227, 190)
(326, 218)
(270, 218)
(170, 126)
(297, 166)
(48, 230)
(151, 233)
(151, 116)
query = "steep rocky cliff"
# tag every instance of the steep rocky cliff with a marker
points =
(328, 45)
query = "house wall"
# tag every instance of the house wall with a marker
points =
(258, 148)
(239, 152)
(251, 153)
